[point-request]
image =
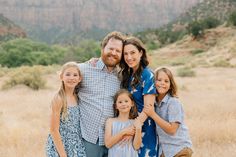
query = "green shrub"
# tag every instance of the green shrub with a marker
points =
(29, 76)
(197, 51)
(178, 62)
(151, 45)
(19, 52)
(3, 71)
(196, 28)
(211, 22)
(84, 51)
(222, 63)
(186, 72)
(232, 18)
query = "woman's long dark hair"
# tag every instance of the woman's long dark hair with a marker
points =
(126, 71)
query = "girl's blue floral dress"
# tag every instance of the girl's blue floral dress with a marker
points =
(70, 134)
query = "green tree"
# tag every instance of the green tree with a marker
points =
(26, 52)
(86, 50)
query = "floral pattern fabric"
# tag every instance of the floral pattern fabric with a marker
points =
(71, 136)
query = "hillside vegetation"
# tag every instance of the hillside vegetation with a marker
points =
(9, 30)
(217, 48)
(220, 9)
(204, 15)
(20, 52)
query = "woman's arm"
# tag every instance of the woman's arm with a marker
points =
(138, 134)
(54, 128)
(110, 139)
(169, 127)
(149, 99)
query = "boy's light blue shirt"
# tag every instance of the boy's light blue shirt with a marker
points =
(170, 109)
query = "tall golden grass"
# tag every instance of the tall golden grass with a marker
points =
(208, 99)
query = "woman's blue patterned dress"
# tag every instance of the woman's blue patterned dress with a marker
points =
(70, 134)
(146, 86)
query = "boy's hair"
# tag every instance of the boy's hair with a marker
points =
(173, 86)
(133, 111)
(60, 95)
(112, 35)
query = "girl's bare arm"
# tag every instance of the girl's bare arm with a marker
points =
(138, 134)
(149, 99)
(54, 128)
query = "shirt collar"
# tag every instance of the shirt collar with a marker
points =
(164, 100)
(101, 65)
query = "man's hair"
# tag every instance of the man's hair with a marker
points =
(112, 35)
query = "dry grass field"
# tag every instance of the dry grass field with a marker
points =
(209, 103)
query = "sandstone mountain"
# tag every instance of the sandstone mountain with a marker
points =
(84, 16)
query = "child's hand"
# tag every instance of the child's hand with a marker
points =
(125, 139)
(128, 135)
(149, 110)
(130, 131)
(138, 124)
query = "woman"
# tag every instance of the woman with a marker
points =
(139, 80)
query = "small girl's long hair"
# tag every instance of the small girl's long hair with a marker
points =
(61, 95)
(133, 111)
(173, 86)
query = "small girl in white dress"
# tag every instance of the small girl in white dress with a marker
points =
(123, 132)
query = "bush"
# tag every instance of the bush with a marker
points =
(29, 76)
(196, 28)
(232, 18)
(26, 52)
(151, 45)
(3, 71)
(185, 72)
(222, 63)
(84, 51)
(177, 62)
(210, 22)
(197, 51)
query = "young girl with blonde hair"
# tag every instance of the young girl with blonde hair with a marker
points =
(65, 138)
